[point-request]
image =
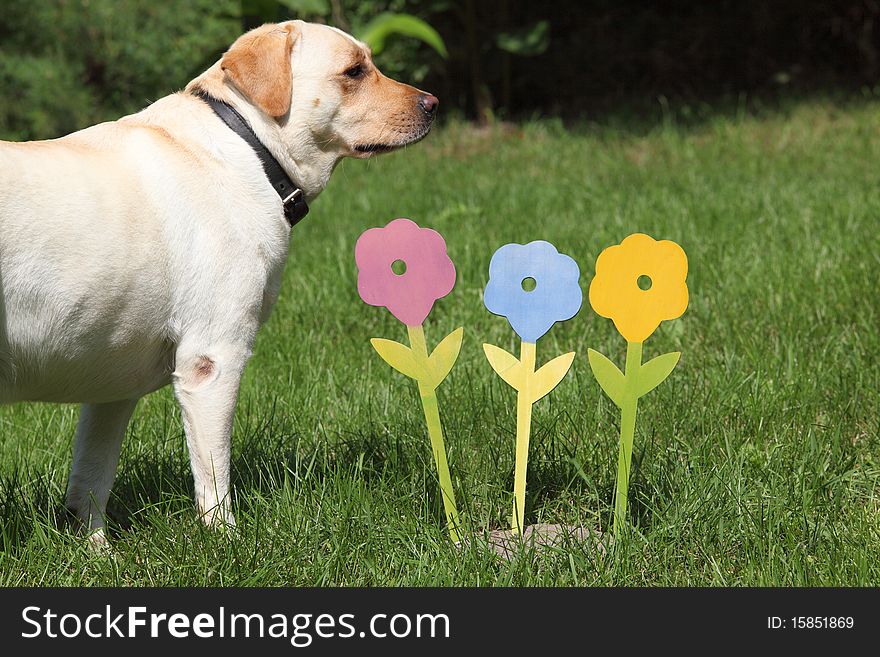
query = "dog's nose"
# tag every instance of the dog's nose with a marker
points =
(428, 103)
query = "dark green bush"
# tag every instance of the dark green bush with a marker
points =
(67, 64)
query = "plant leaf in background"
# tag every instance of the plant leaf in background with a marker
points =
(385, 25)
(526, 42)
(307, 7)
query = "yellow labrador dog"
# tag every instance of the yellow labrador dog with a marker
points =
(149, 250)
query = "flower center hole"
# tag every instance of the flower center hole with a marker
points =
(529, 284)
(398, 267)
(644, 282)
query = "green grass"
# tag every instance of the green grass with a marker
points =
(756, 463)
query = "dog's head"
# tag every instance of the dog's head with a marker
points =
(319, 80)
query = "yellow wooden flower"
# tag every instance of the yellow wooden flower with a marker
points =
(615, 292)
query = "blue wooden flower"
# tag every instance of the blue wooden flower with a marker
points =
(555, 297)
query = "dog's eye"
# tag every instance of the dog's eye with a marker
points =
(355, 71)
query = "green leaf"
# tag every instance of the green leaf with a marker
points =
(505, 365)
(655, 371)
(608, 375)
(377, 31)
(399, 356)
(444, 356)
(527, 42)
(550, 375)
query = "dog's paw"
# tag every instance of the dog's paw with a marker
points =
(97, 541)
(220, 518)
(94, 539)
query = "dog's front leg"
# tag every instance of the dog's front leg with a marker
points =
(206, 382)
(96, 448)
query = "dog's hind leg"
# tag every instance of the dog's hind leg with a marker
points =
(96, 448)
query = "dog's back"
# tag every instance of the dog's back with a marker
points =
(72, 310)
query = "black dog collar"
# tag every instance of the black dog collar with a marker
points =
(292, 197)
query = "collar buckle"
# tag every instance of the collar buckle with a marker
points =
(295, 206)
(293, 196)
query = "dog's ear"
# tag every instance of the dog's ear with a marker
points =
(258, 64)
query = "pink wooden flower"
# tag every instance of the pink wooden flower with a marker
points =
(429, 275)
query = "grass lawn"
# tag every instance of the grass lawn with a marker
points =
(756, 463)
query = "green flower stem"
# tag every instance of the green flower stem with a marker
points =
(523, 430)
(627, 431)
(435, 431)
